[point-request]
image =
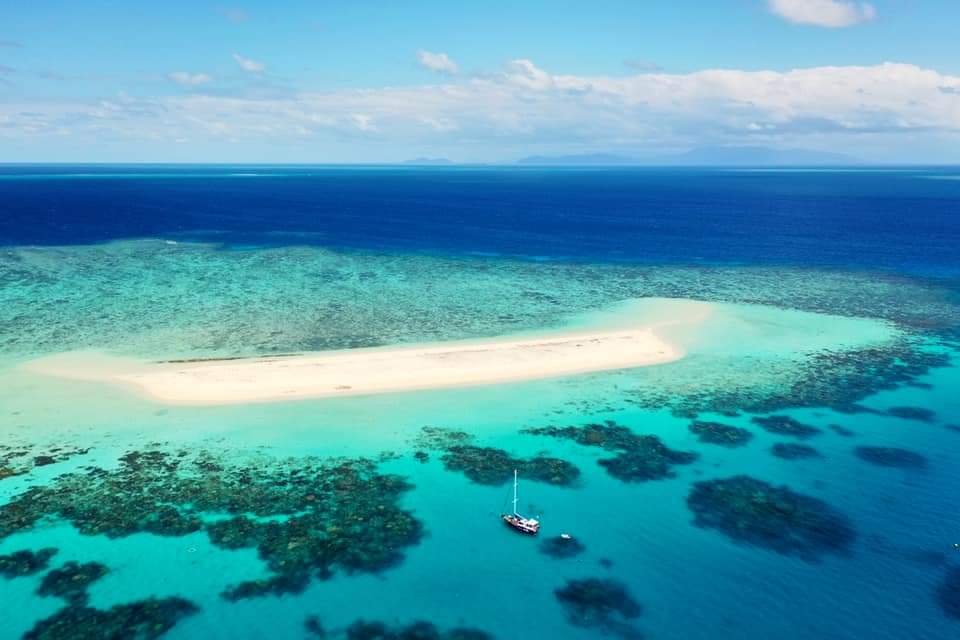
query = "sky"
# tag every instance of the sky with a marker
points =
(386, 81)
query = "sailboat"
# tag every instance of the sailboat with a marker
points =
(515, 520)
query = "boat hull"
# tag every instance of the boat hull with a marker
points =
(521, 525)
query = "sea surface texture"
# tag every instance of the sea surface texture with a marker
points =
(796, 475)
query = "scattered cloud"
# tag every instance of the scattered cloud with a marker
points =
(824, 13)
(363, 122)
(439, 62)
(187, 79)
(233, 14)
(10, 44)
(5, 70)
(525, 107)
(249, 65)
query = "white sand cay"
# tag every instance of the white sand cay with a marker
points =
(386, 369)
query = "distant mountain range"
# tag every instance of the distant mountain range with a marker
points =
(714, 156)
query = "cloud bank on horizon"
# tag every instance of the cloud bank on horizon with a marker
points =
(258, 114)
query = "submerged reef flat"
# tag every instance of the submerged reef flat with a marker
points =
(754, 512)
(837, 379)
(306, 517)
(785, 426)
(600, 603)
(891, 457)
(640, 457)
(302, 299)
(948, 593)
(71, 581)
(142, 620)
(17, 460)
(794, 451)
(25, 563)
(724, 435)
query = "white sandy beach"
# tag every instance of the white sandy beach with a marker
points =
(369, 371)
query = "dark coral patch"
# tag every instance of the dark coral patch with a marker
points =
(560, 548)
(841, 430)
(793, 451)
(920, 414)
(891, 457)
(948, 593)
(785, 426)
(599, 603)
(486, 465)
(718, 433)
(25, 563)
(142, 620)
(641, 457)
(752, 511)
(282, 584)
(953, 427)
(71, 581)
(420, 630)
(304, 516)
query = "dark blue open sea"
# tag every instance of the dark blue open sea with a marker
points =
(794, 475)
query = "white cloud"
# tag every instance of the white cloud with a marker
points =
(527, 108)
(187, 79)
(824, 13)
(439, 62)
(249, 65)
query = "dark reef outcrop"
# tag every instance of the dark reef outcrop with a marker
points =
(785, 426)
(721, 434)
(891, 457)
(600, 603)
(639, 457)
(754, 512)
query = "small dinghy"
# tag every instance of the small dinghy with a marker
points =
(516, 521)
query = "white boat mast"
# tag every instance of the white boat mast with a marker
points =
(515, 483)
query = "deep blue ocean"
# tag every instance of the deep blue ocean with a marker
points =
(793, 474)
(883, 218)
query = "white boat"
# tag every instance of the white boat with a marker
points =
(516, 521)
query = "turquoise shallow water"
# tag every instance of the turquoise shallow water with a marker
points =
(825, 347)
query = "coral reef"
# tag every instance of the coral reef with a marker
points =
(25, 563)
(491, 466)
(920, 414)
(718, 433)
(793, 451)
(841, 430)
(375, 630)
(891, 457)
(486, 465)
(142, 620)
(754, 512)
(560, 548)
(304, 516)
(640, 457)
(599, 603)
(785, 426)
(71, 581)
